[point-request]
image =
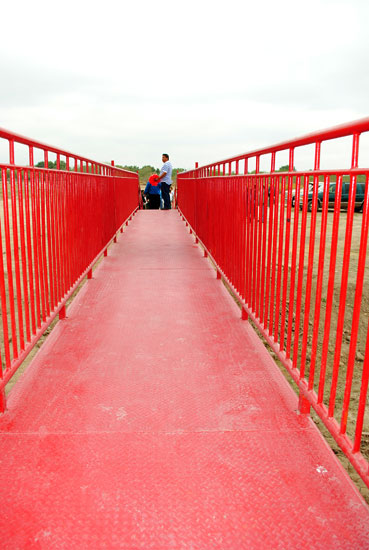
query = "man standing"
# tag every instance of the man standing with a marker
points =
(165, 179)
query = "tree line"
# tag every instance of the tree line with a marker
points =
(144, 172)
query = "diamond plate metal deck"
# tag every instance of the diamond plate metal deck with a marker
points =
(153, 417)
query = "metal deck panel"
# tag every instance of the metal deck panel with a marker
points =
(153, 417)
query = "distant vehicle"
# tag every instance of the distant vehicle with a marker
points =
(320, 186)
(359, 197)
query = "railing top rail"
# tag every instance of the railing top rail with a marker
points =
(17, 138)
(343, 130)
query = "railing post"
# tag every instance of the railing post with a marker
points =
(355, 151)
(304, 405)
(2, 401)
(31, 159)
(11, 151)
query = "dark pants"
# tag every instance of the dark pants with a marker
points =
(165, 194)
(154, 201)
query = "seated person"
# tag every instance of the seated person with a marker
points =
(152, 192)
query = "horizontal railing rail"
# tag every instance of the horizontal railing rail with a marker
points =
(293, 247)
(54, 226)
(65, 159)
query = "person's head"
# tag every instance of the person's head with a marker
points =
(165, 157)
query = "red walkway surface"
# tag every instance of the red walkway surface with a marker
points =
(154, 418)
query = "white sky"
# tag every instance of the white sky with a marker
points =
(201, 80)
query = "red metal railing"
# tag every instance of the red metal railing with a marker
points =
(54, 225)
(299, 265)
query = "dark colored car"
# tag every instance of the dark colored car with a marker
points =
(359, 197)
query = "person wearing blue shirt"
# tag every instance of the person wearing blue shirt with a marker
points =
(165, 179)
(152, 192)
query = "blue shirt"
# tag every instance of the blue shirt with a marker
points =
(167, 167)
(152, 189)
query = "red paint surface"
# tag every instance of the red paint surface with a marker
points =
(54, 225)
(276, 257)
(153, 417)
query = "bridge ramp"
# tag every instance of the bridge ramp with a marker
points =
(153, 417)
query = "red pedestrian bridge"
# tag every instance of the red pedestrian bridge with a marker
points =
(177, 400)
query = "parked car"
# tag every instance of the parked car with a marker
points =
(359, 197)
(311, 187)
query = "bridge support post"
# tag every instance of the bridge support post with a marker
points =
(2, 401)
(105, 252)
(205, 254)
(219, 276)
(62, 313)
(304, 405)
(244, 314)
(89, 274)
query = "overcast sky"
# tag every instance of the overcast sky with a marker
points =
(201, 80)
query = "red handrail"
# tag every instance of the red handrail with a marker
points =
(54, 226)
(73, 162)
(356, 127)
(294, 268)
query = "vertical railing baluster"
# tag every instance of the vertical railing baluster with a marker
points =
(8, 249)
(319, 284)
(15, 232)
(358, 288)
(22, 232)
(300, 277)
(330, 293)
(287, 250)
(280, 256)
(291, 304)
(3, 288)
(274, 253)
